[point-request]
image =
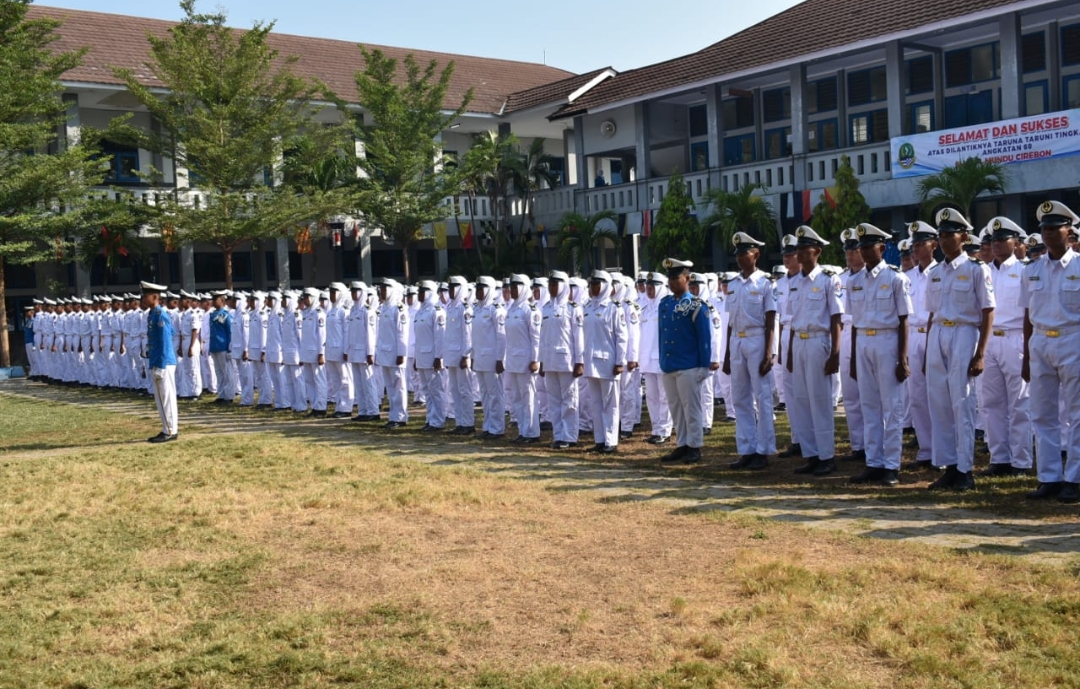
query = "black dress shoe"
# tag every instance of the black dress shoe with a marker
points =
(222, 401)
(546, 426)
(1046, 490)
(159, 438)
(626, 435)
(318, 413)
(780, 407)
(525, 440)
(855, 456)
(341, 414)
(598, 447)
(868, 475)
(491, 436)
(920, 465)
(742, 462)
(997, 470)
(963, 481)
(693, 456)
(1069, 493)
(808, 468)
(706, 431)
(946, 479)
(560, 445)
(464, 430)
(391, 425)
(825, 467)
(608, 449)
(676, 455)
(889, 477)
(794, 450)
(656, 439)
(268, 407)
(758, 463)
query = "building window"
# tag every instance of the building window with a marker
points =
(124, 163)
(698, 119)
(1036, 98)
(822, 135)
(270, 257)
(739, 150)
(699, 156)
(968, 109)
(296, 267)
(777, 143)
(350, 264)
(426, 262)
(1033, 52)
(920, 118)
(776, 104)
(971, 65)
(869, 127)
(1070, 92)
(920, 75)
(1070, 45)
(821, 96)
(867, 86)
(738, 112)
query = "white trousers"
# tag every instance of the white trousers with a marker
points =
(629, 399)
(683, 390)
(585, 407)
(707, 399)
(879, 396)
(917, 395)
(367, 400)
(394, 378)
(315, 385)
(493, 402)
(246, 377)
(563, 405)
(282, 387)
(461, 392)
(604, 398)
(752, 395)
(261, 379)
(293, 374)
(1055, 371)
(657, 402)
(339, 385)
(164, 382)
(809, 407)
(952, 394)
(1006, 401)
(850, 390)
(522, 401)
(433, 388)
(209, 375)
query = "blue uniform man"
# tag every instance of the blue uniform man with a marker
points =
(220, 344)
(161, 357)
(685, 359)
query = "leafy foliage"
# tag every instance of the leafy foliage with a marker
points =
(403, 182)
(580, 236)
(960, 185)
(676, 232)
(833, 216)
(744, 210)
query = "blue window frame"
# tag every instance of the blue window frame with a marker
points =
(972, 65)
(869, 127)
(124, 163)
(968, 109)
(1070, 92)
(1036, 98)
(920, 117)
(777, 143)
(867, 86)
(823, 135)
(699, 156)
(740, 149)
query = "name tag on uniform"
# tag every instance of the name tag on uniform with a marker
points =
(935, 279)
(856, 289)
(1033, 278)
(965, 278)
(1072, 277)
(815, 289)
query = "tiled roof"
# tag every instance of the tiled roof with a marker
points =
(556, 91)
(809, 27)
(120, 40)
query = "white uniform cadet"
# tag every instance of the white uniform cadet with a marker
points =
(849, 387)
(459, 348)
(391, 349)
(629, 380)
(339, 381)
(522, 362)
(429, 335)
(649, 354)
(292, 371)
(360, 352)
(605, 338)
(561, 358)
(918, 325)
(489, 351)
(257, 334)
(313, 351)
(879, 300)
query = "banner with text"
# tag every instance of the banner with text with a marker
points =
(1052, 135)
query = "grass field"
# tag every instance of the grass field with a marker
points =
(275, 560)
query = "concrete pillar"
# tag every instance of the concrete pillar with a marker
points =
(187, 267)
(367, 275)
(939, 89)
(799, 126)
(714, 113)
(759, 125)
(896, 78)
(844, 128)
(284, 279)
(442, 263)
(580, 165)
(1053, 66)
(1012, 69)
(641, 141)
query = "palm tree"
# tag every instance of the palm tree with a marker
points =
(961, 184)
(579, 236)
(493, 161)
(533, 174)
(741, 211)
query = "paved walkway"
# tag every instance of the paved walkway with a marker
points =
(941, 525)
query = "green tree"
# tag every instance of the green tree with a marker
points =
(580, 236)
(115, 232)
(744, 210)
(404, 180)
(676, 232)
(494, 162)
(232, 106)
(40, 195)
(960, 185)
(841, 208)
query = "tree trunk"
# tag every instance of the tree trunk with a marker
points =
(5, 344)
(472, 229)
(405, 255)
(228, 251)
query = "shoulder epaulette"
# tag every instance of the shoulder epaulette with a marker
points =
(572, 304)
(830, 273)
(896, 268)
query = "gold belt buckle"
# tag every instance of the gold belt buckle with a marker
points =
(871, 332)
(804, 336)
(1053, 333)
(948, 324)
(999, 333)
(922, 329)
(741, 333)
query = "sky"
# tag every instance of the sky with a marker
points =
(575, 35)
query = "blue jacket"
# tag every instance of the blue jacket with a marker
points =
(159, 339)
(220, 331)
(685, 333)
